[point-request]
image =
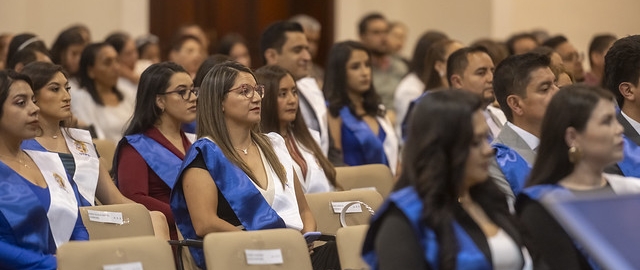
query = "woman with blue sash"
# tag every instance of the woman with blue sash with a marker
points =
(280, 114)
(233, 177)
(73, 146)
(580, 136)
(444, 212)
(149, 156)
(39, 208)
(357, 123)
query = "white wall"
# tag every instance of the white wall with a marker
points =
(464, 20)
(46, 18)
(468, 20)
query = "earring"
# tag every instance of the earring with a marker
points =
(574, 154)
(162, 109)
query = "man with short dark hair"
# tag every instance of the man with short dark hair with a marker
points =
(387, 70)
(284, 44)
(598, 48)
(622, 78)
(523, 85)
(471, 69)
(570, 56)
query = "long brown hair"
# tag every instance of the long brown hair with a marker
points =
(270, 76)
(210, 120)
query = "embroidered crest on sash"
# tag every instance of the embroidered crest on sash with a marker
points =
(81, 147)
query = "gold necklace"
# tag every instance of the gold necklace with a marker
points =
(245, 150)
(14, 159)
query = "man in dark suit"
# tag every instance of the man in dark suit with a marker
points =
(622, 78)
(523, 85)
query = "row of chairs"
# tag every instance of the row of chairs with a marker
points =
(335, 213)
(266, 249)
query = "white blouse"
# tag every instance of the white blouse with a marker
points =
(108, 121)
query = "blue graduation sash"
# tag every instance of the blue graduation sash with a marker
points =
(372, 148)
(630, 164)
(245, 200)
(513, 166)
(164, 163)
(538, 191)
(25, 214)
(469, 256)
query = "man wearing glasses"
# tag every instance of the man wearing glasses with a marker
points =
(570, 57)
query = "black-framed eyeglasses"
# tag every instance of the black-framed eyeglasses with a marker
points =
(249, 91)
(184, 93)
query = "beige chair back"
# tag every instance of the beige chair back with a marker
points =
(349, 241)
(328, 218)
(376, 176)
(146, 251)
(106, 149)
(231, 250)
(136, 221)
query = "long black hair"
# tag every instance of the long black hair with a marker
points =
(335, 81)
(440, 135)
(153, 81)
(88, 60)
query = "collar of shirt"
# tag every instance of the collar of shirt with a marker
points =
(531, 140)
(633, 123)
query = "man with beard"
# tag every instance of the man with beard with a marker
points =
(387, 70)
(523, 85)
(471, 69)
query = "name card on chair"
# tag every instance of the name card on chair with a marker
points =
(263, 256)
(105, 217)
(123, 266)
(354, 208)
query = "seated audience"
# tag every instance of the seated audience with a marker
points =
(471, 69)
(25, 57)
(39, 209)
(622, 78)
(23, 42)
(445, 213)
(234, 177)
(148, 51)
(523, 85)
(412, 85)
(150, 154)
(235, 46)
(312, 30)
(580, 136)
(521, 43)
(187, 51)
(571, 58)
(598, 48)
(73, 146)
(358, 125)
(280, 114)
(66, 51)
(99, 102)
(127, 58)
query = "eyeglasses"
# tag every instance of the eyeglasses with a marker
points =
(249, 91)
(184, 93)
